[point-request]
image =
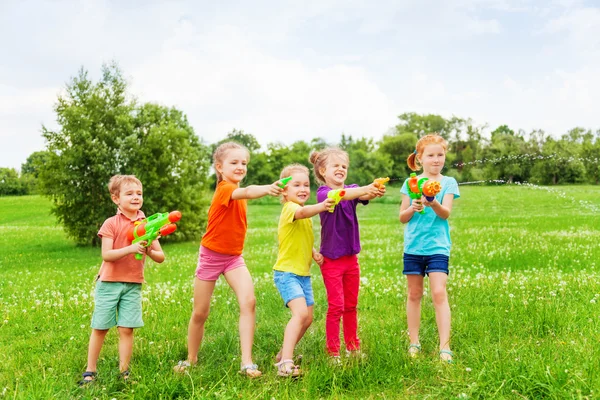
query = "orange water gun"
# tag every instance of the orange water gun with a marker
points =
(422, 187)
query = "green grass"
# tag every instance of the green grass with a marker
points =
(524, 292)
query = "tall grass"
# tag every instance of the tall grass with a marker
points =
(524, 291)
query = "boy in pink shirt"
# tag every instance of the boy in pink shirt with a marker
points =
(118, 293)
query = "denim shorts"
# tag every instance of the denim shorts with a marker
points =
(424, 265)
(292, 286)
(117, 304)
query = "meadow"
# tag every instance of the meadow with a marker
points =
(524, 291)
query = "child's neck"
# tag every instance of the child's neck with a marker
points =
(431, 176)
(131, 215)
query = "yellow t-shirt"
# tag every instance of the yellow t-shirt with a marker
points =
(295, 242)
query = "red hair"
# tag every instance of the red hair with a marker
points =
(432, 138)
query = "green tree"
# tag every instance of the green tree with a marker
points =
(366, 163)
(397, 148)
(10, 183)
(30, 170)
(104, 132)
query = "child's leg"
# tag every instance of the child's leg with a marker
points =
(439, 296)
(125, 347)
(351, 284)
(296, 327)
(203, 291)
(332, 278)
(241, 282)
(413, 306)
(96, 341)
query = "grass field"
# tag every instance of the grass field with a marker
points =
(524, 292)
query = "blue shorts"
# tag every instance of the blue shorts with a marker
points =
(424, 265)
(292, 286)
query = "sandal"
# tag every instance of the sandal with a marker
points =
(286, 368)
(125, 375)
(182, 366)
(446, 356)
(87, 374)
(250, 370)
(414, 349)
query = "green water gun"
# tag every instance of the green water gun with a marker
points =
(284, 182)
(337, 196)
(148, 229)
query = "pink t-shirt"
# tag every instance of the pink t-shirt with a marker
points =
(125, 269)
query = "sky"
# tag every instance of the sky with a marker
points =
(296, 70)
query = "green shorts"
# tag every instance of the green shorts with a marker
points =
(117, 304)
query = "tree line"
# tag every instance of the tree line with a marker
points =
(103, 131)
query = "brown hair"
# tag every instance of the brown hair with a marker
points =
(220, 153)
(319, 160)
(432, 138)
(289, 170)
(115, 183)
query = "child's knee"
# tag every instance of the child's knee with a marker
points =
(200, 316)
(415, 294)
(248, 304)
(124, 331)
(439, 295)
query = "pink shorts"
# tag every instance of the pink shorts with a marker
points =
(212, 264)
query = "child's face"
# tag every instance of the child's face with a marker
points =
(298, 188)
(130, 198)
(433, 159)
(336, 171)
(234, 166)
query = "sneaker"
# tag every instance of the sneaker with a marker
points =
(356, 354)
(335, 361)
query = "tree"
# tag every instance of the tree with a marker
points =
(102, 133)
(10, 184)
(30, 170)
(366, 163)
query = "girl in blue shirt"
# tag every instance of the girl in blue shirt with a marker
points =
(427, 242)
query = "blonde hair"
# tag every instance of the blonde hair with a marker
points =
(117, 181)
(221, 152)
(289, 170)
(432, 138)
(319, 160)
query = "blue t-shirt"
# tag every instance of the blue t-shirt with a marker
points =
(427, 234)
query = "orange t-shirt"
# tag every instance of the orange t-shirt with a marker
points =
(125, 269)
(226, 230)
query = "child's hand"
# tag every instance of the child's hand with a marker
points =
(318, 257)
(428, 203)
(381, 191)
(328, 204)
(372, 190)
(138, 248)
(417, 205)
(274, 189)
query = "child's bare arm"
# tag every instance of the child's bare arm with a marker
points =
(408, 209)
(109, 254)
(155, 252)
(364, 192)
(256, 191)
(312, 210)
(442, 210)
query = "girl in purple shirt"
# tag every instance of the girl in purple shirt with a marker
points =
(340, 243)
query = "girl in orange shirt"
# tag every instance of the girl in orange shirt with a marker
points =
(221, 253)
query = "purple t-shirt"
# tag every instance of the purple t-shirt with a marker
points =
(339, 229)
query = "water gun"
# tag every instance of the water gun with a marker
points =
(150, 228)
(284, 182)
(380, 182)
(337, 196)
(422, 187)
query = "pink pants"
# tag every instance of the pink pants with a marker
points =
(342, 279)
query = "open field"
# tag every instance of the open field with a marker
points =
(524, 290)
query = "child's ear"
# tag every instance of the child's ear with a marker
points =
(115, 199)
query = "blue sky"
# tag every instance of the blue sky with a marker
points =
(288, 70)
